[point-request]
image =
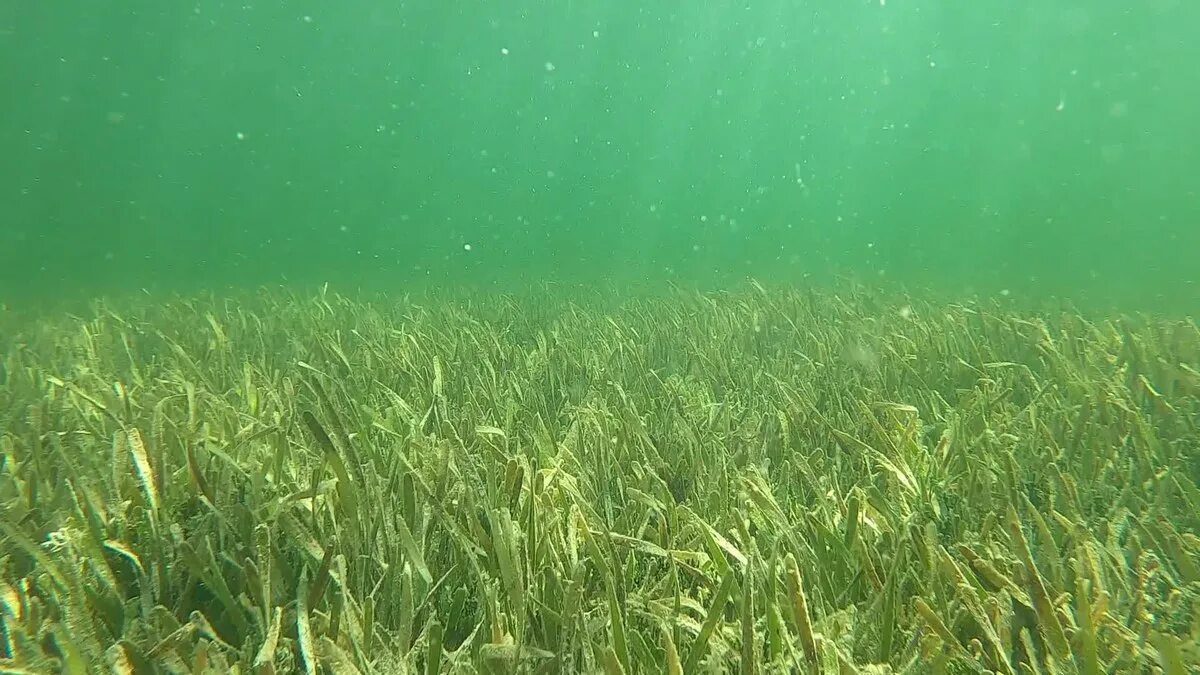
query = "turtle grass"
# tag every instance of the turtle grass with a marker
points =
(755, 481)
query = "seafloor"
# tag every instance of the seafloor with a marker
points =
(771, 480)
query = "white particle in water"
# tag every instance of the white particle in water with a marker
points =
(241, 136)
(466, 247)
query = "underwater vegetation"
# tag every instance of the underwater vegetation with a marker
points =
(748, 481)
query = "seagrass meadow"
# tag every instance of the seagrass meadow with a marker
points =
(758, 480)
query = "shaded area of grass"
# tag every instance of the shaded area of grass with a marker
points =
(757, 481)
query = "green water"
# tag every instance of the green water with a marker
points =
(1031, 146)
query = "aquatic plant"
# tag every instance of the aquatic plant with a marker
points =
(555, 483)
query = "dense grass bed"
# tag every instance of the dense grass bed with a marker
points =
(766, 480)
